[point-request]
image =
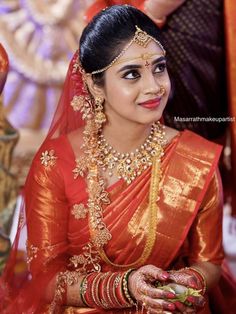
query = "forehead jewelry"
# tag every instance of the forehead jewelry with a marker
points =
(140, 38)
(146, 56)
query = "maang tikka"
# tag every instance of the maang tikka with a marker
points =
(100, 117)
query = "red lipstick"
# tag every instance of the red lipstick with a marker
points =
(151, 104)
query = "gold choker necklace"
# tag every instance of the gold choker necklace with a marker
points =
(130, 165)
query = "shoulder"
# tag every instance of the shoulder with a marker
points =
(75, 139)
(197, 146)
(214, 193)
(57, 154)
(50, 156)
(170, 134)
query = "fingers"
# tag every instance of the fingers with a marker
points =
(156, 293)
(158, 304)
(180, 307)
(183, 279)
(197, 301)
(152, 272)
(150, 311)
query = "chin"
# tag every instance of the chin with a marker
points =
(155, 116)
(149, 121)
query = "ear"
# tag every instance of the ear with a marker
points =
(95, 90)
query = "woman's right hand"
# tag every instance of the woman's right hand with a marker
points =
(141, 287)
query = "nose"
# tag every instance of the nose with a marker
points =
(150, 84)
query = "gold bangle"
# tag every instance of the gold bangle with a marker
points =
(125, 287)
(83, 288)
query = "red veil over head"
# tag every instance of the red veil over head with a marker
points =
(19, 291)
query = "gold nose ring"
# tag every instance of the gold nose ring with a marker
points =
(161, 91)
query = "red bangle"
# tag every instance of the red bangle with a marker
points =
(88, 298)
(199, 276)
(106, 290)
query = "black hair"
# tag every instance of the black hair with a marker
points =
(106, 35)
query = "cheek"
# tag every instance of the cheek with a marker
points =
(120, 90)
(167, 84)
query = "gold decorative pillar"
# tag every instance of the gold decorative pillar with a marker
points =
(8, 183)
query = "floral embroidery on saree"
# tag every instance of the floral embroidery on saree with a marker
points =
(86, 262)
(48, 158)
(63, 279)
(31, 252)
(80, 168)
(79, 211)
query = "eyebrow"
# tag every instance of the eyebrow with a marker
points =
(139, 66)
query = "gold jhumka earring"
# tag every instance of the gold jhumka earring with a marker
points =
(100, 117)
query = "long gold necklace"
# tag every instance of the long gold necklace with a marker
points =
(149, 153)
(130, 165)
(152, 221)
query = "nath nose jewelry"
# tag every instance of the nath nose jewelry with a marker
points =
(162, 91)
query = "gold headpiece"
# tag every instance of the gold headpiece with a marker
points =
(141, 38)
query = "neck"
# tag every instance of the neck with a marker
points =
(125, 137)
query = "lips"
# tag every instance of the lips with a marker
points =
(151, 104)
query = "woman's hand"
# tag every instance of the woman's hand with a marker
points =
(183, 280)
(141, 286)
(160, 9)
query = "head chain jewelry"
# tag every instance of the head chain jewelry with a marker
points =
(141, 38)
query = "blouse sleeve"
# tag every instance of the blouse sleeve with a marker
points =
(205, 237)
(46, 212)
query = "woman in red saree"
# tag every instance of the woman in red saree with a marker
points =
(120, 215)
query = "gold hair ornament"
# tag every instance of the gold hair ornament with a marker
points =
(144, 57)
(141, 38)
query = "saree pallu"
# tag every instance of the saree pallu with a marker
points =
(189, 215)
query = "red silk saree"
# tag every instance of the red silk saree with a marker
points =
(189, 215)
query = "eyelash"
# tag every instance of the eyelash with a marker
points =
(161, 66)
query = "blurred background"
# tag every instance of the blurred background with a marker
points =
(37, 41)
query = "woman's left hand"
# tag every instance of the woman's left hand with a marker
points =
(142, 288)
(187, 280)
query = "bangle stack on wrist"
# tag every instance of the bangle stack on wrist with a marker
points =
(106, 290)
(199, 276)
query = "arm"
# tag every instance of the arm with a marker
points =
(205, 243)
(47, 225)
(205, 236)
